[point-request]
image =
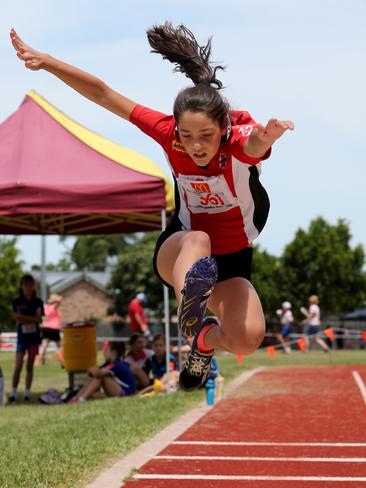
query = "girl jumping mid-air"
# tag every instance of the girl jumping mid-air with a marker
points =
(215, 154)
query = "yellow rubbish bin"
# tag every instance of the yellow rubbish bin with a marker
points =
(80, 346)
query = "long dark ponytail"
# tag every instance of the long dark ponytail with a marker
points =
(179, 46)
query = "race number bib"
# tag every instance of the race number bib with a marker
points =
(29, 328)
(206, 195)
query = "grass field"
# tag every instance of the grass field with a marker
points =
(67, 445)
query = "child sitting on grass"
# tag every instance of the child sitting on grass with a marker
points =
(114, 377)
(155, 368)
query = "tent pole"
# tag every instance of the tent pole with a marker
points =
(166, 315)
(43, 269)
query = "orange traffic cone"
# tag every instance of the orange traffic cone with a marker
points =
(271, 351)
(301, 344)
(329, 333)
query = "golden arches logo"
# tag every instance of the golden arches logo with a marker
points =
(178, 146)
(201, 187)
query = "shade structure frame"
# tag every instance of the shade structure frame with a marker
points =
(57, 177)
(79, 223)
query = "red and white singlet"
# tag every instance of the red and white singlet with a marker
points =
(224, 199)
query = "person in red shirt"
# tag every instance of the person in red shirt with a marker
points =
(138, 322)
(215, 154)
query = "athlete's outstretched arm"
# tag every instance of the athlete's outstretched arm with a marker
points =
(262, 138)
(87, 85)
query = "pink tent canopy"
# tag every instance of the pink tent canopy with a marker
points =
(57, 177)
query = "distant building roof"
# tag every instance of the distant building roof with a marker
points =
(358, 314)
(58, 281)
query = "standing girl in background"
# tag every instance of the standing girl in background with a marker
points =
(313, 323)
(51, 328)
(215, 153)
(27, 313)
(286, 319)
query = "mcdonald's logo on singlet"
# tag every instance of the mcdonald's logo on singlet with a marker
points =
(201, 187)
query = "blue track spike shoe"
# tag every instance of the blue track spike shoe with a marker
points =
(198, 285)
(196, 368)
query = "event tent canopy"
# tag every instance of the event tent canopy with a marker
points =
(57, 177)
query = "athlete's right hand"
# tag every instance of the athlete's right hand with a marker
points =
(32, 58)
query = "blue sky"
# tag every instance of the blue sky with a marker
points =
(297, 59)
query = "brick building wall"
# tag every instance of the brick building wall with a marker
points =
(83, 301)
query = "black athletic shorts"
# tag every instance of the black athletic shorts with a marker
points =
(232, 265)
(51, 334)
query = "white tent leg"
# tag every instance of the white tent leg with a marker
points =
(166, 315)
(43, 269)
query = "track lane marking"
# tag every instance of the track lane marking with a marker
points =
(271, 459)
(361, 479)
(361, 385)
(244, 443)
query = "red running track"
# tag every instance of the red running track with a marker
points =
(284, 428)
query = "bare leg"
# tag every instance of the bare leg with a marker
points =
(174, 378)
(19, 358)
(285, 343)
(30, 364)
(89, 388)
(282, 341)
(110, 386)
(177, 255)
(60, 355)
(236, 304)
(321, 343)
(42, 351)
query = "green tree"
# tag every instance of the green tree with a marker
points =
(135, 273)
(91, 251)
(64, 264)
(321, 261)
(265, 279)
(10, 274)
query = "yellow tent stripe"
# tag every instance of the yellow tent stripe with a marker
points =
(119, 154)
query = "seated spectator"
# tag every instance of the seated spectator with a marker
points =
(114, 377)
(155, 368)
(184, 349)
(138, 354)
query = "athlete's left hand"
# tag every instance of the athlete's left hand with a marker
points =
(262, 138)
(272, 131)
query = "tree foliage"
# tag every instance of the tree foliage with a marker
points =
(321, 261)
(135, 273)
(91, 252)
(10, 274)
(265, 279)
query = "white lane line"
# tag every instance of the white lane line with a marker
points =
(271, 459)
(243, 443)
(213, 477)
(357, 377)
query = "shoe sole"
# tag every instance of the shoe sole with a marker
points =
(200, 279)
